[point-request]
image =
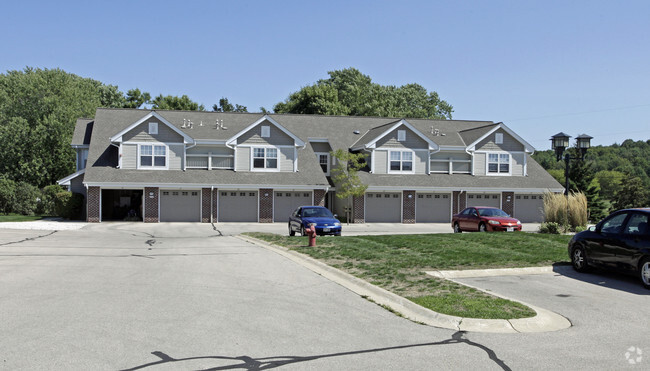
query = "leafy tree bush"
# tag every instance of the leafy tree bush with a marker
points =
(550, 228)
(48, 197)
(26, 199)
(7, 194)
(69, 205)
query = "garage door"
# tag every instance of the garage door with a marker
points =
(180, 206)
(384, 207)
(284, 203)
(477, 199)
(529, 208)
(237, 206)
(433, 208)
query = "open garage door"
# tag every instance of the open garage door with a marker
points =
(238, 206)
(383, 207)
(480, 199)
(180, 206)
(529, 208)
(284, 203)
(433, 208)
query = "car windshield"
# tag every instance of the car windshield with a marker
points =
(492, 212)
(316, 213)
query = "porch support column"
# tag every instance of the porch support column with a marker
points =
(151, 205)
(266, 205)
(93, 205)
(358, 209)
(408, 207)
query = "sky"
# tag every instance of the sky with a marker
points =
(541, 67)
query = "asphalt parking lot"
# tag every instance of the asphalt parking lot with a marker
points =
(187, 296)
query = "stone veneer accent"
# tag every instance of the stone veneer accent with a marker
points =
(408, 208)
(358, 209)
(151, 205)
(319, 197)
(205, 205)
(93, 204)
(266, 205)
(508, 206)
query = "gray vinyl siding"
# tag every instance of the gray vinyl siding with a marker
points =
(204, 150)
(381, 161)
(479, 163)
(413, 141)
(141, 134)
(176, 156)
(286, 159)
(452, 155)
(77, 186)
(517, 164)
(420, 162)
(129, 156)
(509, 144)
(321, 147)
(254, 136)
(243, 159)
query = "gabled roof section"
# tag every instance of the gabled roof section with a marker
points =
(297, 141)
(117, 138)
(527, 146)
(66, 181)
(372, 136)
(82, 132)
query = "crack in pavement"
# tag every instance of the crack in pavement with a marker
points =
(28, 239)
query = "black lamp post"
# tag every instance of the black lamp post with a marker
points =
(560, 142)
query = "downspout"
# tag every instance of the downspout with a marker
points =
(471, 155)
(119, 155)
(429, 164)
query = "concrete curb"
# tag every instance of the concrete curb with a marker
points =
(472, 273)
(542, 322)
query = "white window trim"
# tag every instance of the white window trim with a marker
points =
(487, 164)
(389, 171)
(153, 128)
(329, 163)
(153, 149)
(252, 158)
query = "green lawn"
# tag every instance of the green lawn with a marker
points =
(397, 263)
(19, 218)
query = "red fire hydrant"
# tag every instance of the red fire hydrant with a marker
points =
(311, 232)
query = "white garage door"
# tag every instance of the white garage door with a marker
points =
(237, 206)
(478, 199)
(433, 208)
(180, 206)
(384, 207)
(529, 208)
(284, 203)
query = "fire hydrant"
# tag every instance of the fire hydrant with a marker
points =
(311, 232)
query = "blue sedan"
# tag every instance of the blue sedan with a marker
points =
(304, 216)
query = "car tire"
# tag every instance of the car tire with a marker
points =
(291, 231)
(302, 231)
(579, 259)
(457, 228)
(482, 227)
(644, 272)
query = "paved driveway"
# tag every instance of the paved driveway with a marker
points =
(161, 296)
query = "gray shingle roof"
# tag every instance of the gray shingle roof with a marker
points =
(82, 131)
(339, 130)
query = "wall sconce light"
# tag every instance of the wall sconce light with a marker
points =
(508, 198)
(410, 196)
(150, 194)
(266, 195)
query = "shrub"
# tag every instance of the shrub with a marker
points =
(48, 196)
(580, 228)
(550, 228)
(26, 198)
(7, 195)
(68, 205)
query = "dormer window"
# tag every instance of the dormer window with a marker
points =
(153, 128)
(265, 158)
(401, 161)
(401, 135)
(152, 156)
(498, 164)
(266, 131)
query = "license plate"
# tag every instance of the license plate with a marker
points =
(510, 229)
(326, 229)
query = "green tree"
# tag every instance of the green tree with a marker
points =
(169, 102)
(225, 106)
(26, 199)
(345, 175)
(7, 195)
(136, 98)
(349, 92)
(632, 193)
(609, 181)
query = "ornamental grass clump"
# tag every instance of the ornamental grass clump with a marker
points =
(570, 213)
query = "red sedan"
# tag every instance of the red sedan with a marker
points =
(483, 219)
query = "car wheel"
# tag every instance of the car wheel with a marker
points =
(644, 272)
(482, 227)
(579, 259)
(291, 231)
(302, 231)
(457, 228)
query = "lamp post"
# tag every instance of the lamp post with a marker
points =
(560, 142)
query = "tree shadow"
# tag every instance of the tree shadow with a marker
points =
(264, 363)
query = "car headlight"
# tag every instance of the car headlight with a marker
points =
(494, 222)
(518, 222)
(337, 224)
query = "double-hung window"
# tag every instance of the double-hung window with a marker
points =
(498, 163)
(401, 161)
(153, 156)
(265, 158)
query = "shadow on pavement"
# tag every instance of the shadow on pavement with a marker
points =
(603, 278)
